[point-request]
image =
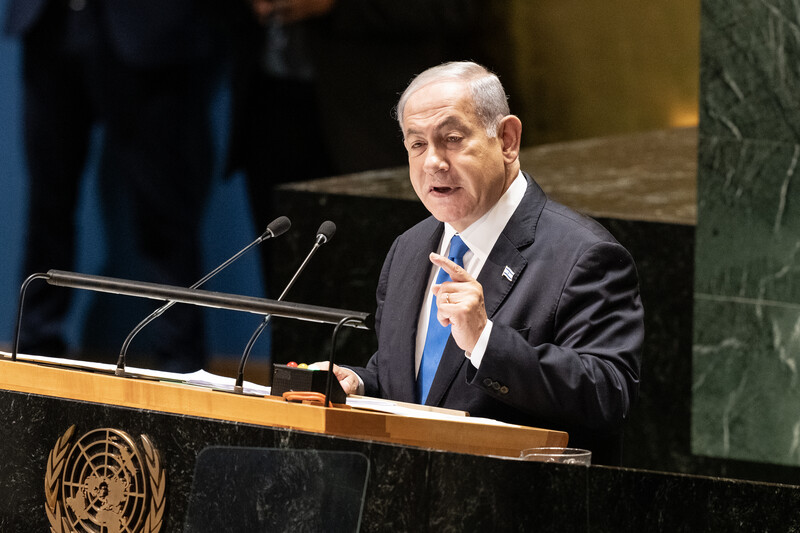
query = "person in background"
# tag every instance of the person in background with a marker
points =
(140, 69)
(503, 303)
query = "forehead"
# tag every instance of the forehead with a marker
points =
(437, 102)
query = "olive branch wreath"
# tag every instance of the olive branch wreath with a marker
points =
(55, 465)
(158, 486)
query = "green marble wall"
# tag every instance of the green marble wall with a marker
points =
(746, 389)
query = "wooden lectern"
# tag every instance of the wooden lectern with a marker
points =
(464, 435)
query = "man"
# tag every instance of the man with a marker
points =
(546, 324)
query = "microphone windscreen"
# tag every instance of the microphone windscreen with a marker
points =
(279, 226)
(326, 231)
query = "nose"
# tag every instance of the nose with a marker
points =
(435, 161)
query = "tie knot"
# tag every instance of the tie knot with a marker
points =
(457, 250)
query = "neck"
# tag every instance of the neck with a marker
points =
(512, 171)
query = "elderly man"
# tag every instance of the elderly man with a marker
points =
(535, 317)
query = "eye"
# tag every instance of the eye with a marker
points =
(453, 138)
(416, 146)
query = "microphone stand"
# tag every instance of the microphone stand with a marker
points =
(322, 238)
(329, 381)
(120, 371)
(18, 326)
(275, 228)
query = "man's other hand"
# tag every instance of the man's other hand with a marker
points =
(347, 378)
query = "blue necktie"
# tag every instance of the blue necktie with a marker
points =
(437, 334)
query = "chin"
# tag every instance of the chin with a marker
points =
(454, 221)
(445, 211)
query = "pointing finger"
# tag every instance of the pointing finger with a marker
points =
(456, 272)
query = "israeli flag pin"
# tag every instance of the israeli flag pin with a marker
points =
(508, 273)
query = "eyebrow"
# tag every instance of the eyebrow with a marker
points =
(447, 122)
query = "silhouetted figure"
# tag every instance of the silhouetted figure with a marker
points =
(140, 69)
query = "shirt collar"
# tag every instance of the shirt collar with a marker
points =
(481, 235)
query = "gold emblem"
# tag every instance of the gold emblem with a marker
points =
(103, 483)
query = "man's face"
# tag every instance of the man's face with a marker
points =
(456, 169)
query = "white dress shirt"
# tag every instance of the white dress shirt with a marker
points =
(480, 237)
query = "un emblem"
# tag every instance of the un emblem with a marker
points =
(103, 483)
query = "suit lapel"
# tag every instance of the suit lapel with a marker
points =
(505, 263)
(417, 269)
(498, 277)
(500, 273)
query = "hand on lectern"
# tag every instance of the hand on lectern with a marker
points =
(347, 378)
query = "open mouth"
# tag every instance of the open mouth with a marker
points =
(442, 190)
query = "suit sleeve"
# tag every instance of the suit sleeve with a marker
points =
(587, 373)
(369, 374)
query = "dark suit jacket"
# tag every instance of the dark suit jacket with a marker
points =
(565, 348)
(144, 32)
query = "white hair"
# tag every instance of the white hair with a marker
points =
(488, 95)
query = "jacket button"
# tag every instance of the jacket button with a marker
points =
(487, 382)
(503, 390)
(496, 386)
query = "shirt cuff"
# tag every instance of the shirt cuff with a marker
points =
(360, 389)
(476, 356)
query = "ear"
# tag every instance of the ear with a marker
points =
(510, 134)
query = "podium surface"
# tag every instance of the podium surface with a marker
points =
(463, 435)
(409, 488)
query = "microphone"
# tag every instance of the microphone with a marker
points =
(277, 227)
(324, 234)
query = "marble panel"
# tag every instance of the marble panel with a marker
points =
(398, 479)
(409, 489)
(629, 501)
(748, 234)
(657, 435)
(287, 490)
(746, 336)
(746, 389)
(749, 73)
(549, 497)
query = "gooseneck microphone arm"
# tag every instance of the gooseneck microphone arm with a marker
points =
(18, 326)
(277, 227)
(324, 234)
(347, 320)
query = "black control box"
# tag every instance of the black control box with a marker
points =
(289, 378)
